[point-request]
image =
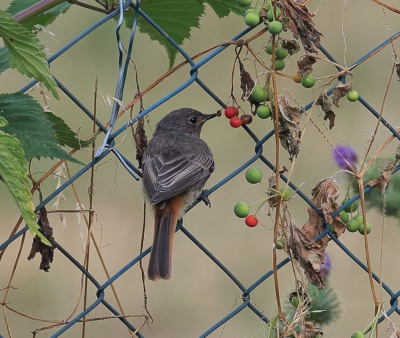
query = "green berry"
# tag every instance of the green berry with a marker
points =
(270, 15)
(275, 27)
(357, 334)
(344, 216)
(351, 207)
(263, 111)
(268, 5)
(254, 175)
(281, 53)
(295, 301)
(253, 10)
(244, 3)
(260, 94)
(280, 244)
(241, 209)
(252, 19)
(268, 49)
(352, 96)
(308, 80)
(353, 225)
(361, 228)
(359, 219)
(279, 65)
(286, 194)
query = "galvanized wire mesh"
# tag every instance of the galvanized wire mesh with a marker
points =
(107, 148)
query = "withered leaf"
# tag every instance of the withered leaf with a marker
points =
(398, 70)
(308, 253)
(310, 331)
(291, 46)
(341, 90)
(301, 24)
(289, 128)
(305, 64)
(272, 201)
(327, 109)
(246, 82)
(382, 182)
(140, 140)
(38, 247)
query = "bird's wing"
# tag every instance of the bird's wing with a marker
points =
(167, 175)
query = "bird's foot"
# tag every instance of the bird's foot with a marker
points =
(203, 197)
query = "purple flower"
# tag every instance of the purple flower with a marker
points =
(345, 153)
(327, 266)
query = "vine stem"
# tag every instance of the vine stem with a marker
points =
(277, 166)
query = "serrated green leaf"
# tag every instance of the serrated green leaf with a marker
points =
(27, 123)
(13, 171)
(44, 19)
(64, 134)
(223, 7)
(176, 18)
(26, 53)
(4, 59)
(3, 121)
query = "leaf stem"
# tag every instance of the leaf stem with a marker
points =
(35, 10)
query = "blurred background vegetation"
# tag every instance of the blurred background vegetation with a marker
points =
(199, 294)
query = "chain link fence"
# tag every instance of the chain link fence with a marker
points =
(108, 148)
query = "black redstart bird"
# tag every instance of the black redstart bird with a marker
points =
(176, 165)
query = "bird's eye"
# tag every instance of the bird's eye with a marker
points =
(193, 120)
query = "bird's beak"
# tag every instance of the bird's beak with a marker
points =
(209, 117)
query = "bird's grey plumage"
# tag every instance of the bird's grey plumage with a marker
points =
(166, 172)
(176, 165)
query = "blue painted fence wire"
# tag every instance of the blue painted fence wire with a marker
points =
(106, 149)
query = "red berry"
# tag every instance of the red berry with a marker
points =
(251, 221)
(231, 111)
(236, 122)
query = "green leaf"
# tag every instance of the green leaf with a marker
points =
(176, 18)
(27, 123)
(64, 134)
(223, 7)
(44, 19)
(13, 171)
(4, 59)
(3, 121)
(26, 53)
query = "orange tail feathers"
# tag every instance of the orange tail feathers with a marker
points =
(160, 264)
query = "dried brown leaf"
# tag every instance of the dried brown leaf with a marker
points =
(326, 106)
(305, 64)
(301, 24)
(289, 128)
(291, 46)
(310, 331)
(341, 90)
(272, 201)
(382, 182)
(140, 140)
(46, 252)
(246, 82)
(398, 70)
(308, 253)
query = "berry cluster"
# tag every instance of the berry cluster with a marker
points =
(357, 222)
(232, 113)
(271, 15)
(254, 175)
